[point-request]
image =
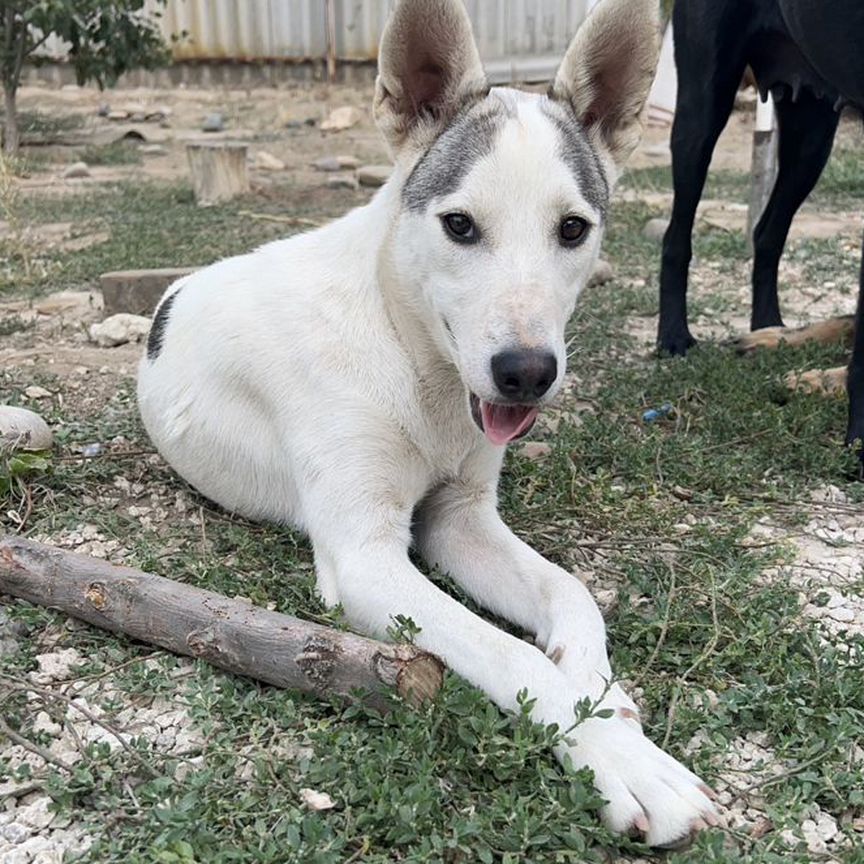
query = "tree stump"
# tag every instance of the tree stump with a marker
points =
(219, 171)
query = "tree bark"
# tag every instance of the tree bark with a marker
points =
(11, 137)
(230, 633)
(218, 172)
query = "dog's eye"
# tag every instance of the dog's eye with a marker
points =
(460, 227)
(572, 231)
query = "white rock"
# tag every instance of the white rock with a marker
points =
(44, 723)
(120, 329)
(789, 837)
(76, 304)
(76, 171)
(603, 272)
(341, 119)
(15, 832)
(336, 163)
(316, 800)
(268, 162)
(37, 815)
(842, 614)
(655, 229)
(343, 181)
(37, 845)
(23, 430)
(34, 391)
(826, 826)
(184, 769)
(374, 175)
(814, 841)
(535, 450)
(55, 665)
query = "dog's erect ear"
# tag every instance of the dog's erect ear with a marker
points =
(428, 68)
(608, 69)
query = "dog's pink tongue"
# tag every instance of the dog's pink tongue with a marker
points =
(503, 423)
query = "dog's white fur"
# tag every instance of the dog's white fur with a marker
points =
(314, 382)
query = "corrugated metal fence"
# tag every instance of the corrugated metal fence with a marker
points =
(518, 39)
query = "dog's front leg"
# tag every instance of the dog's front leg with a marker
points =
(461, 531)
(361, 555)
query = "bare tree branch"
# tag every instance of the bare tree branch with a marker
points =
(229, 633)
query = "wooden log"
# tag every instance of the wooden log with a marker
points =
(219, 171)
(230, 633)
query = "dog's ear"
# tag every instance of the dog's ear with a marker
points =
(607, 72)
(428, 68)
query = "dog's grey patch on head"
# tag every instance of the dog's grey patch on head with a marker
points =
(445, 164)
(157, 329)
(580, 157)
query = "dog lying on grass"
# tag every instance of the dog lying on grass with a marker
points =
(360, 382)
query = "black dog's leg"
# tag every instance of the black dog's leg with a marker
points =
(855, 379)
(807, 128)
(709, 56)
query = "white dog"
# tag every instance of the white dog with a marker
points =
(358, 382)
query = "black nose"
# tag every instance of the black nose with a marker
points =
(523, 376)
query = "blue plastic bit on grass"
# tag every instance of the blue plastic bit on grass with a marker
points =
(654, 414)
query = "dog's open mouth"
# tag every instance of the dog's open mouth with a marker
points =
(502, 424)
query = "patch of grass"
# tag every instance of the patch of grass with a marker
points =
(158, 225)
(724, 184)
(14, 324)
(826, 260)
(842, 181)
(46, 127)
(116, 153)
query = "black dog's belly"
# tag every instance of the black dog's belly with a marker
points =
(831, 36)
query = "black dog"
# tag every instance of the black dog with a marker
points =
(810, 55)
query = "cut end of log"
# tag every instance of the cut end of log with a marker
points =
(420, 679)
(415, 675)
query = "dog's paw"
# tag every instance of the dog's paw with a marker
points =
(675, 343)
(767, 337)
(648, 793)
(829, 332)
(829, 382)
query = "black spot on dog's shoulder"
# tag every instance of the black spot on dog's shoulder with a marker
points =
(157, 330)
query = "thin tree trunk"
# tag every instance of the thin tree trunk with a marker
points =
(232, 634)
(10, 126)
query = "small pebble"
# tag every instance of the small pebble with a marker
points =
(343, 181)
(213, 123)
(374, 175)
(655, 229)
(76, 171)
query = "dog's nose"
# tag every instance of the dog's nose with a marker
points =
(524, 376)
